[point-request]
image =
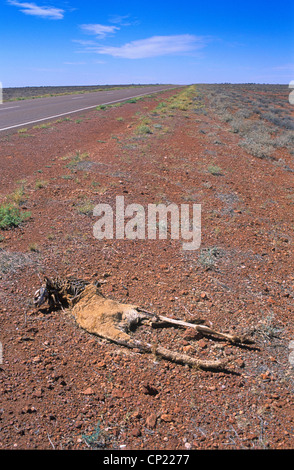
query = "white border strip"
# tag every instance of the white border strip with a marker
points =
(10, 107)
(84, 109)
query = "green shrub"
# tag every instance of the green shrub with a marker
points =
(11, 216)
(214, 170)
(143, 129)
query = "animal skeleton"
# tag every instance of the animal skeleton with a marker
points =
(114, 321)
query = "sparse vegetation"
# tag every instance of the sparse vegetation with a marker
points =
(98, 439)
(85, 207)
(33, 247)
(214, 170)
(41, 184)
(208, 257)
(263, 127)
(10, 262)
(143, 129)
(43, 126)
(11, 216)
(18, 196)
(75, 159)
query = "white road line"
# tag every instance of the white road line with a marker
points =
(82, 109)
(10, 107)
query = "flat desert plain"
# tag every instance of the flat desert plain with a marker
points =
(228, 148)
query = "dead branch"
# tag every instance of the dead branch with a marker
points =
(200, 328)
(173, 356)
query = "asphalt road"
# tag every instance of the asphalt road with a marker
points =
(18, 114)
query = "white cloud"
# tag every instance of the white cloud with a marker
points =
(84, 43)
(123, 20)
(74, 63)
(99, 30)
(154, 46)
(118, 19)
(284, 67)
(50, 13)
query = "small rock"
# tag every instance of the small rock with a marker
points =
(190, 333)
(188, 349)
(29, 409)
(202, 344)
(184, 292)
(38, 393)
(151, 421)
(136, 432)
(240, 363)
(101, 364)
(166, 417)
(36, 360)
(88, 391)
(117, 394)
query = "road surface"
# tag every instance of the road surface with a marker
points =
(18, 114)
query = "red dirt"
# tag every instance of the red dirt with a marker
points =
(57, 382)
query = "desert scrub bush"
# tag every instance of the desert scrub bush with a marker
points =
(43, 126)
(281, 122)
(85, 207)
(258, 142)
(33, 247)
(285, 140)
(161, 106)
(240, 126)
(243, 113)
(226, 116)
(208, 257)
(41, 184)
(76, 159)
(11, 216)
(267, 328)
(184, 100)
(10, 262)
(67, 177)
(133, 100)
(143, 129)
(98, 439)
(18, 196)
(214, 170)
(257, 149)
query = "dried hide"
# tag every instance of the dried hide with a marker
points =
(113, 320)
(105, 317)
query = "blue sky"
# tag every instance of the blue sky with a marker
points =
(75, 42)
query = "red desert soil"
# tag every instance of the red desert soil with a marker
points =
(62, 388)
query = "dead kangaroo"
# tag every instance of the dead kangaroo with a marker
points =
(114, 321)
